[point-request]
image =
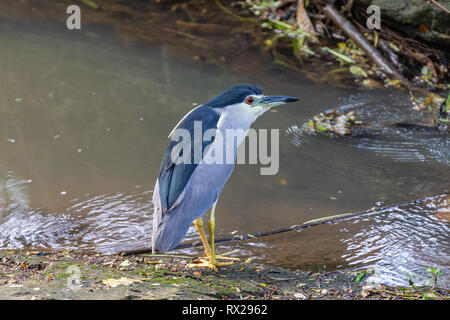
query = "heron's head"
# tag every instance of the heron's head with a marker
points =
(247, 100)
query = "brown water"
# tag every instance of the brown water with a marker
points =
(84, 121)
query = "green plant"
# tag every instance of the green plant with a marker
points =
(411, 276)
(435, 273)
(360, 276)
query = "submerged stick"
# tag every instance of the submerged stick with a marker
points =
(365, 45)
(308, 224)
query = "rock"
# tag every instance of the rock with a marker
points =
(372, 84)
(430, 296)
(371, 286)
(415, 16)
(299, 295)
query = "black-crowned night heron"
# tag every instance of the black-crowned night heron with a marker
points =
(186, 190)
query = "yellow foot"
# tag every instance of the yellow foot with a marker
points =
(223, 256)
(206, 263)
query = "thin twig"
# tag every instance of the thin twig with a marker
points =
(225, 9)
(304, 225)
(159, 255)
(187, 35)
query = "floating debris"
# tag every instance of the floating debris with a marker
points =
(335, 123)
(331, 123)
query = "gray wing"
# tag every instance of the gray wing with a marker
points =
(173, 178)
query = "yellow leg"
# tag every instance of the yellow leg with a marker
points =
(213, 258)
(211, 227)
(199, 225)
(209, 248)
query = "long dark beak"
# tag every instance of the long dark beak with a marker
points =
(272, 101)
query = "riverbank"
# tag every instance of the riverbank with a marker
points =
(74, 275)
(242, 37)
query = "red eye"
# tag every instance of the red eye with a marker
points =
(249, 100)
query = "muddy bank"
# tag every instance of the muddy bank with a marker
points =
(71, 275)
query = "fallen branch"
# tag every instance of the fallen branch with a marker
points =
(305, 225)
(365, 45)
(440, 6)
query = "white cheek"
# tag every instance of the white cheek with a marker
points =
(240, 115)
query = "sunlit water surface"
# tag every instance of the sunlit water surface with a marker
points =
(84, 121)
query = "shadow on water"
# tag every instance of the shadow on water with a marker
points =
(84, 121)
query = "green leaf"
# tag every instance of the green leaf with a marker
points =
(280, 25)
(339, 55)
(424, 70)
(447, 103)
(360, 277)
(394, 46)
(320, 127)
(90, 3)
(358, 71)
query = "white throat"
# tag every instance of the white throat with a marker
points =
(238, 116)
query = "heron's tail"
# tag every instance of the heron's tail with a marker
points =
(157, 214)
(168, 228)
(156, 219)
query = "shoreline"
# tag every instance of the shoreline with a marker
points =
(44, 275)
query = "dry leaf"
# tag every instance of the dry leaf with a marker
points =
(303, 20)
(423, 28)
(125, 263)
(120, 282)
